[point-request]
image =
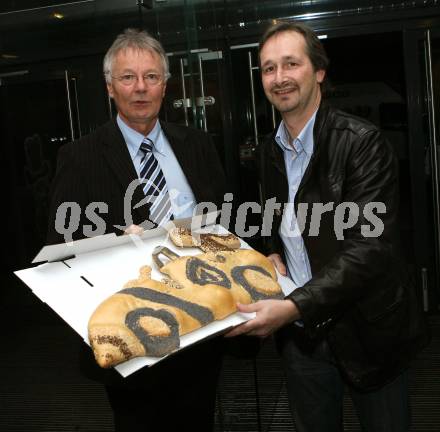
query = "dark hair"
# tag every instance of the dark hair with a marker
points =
(314, 48)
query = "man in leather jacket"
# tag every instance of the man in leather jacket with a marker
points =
(354, 320)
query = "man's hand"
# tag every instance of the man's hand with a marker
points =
(271, 315)
(134, 229)
(278, 263)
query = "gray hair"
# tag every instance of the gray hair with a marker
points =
(138, 40)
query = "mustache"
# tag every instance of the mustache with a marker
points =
(283, 86)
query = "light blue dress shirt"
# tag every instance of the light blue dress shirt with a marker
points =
(297, 154)
(181, 195)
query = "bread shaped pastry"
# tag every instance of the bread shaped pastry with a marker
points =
(207, 242)
(246, 273)
(147, 317)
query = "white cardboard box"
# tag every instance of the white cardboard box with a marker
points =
(100, 266)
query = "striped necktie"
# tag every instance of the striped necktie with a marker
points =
(154, 185)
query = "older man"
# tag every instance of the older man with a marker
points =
(175, 164)
(353, 320)
(137, 170)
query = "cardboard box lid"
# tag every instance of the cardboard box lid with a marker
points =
(100, 266)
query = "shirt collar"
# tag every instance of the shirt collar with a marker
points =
(304, 140)
(134, 138)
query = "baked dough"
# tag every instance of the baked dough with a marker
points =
(246, 273)
(148, 317)
(207, 242)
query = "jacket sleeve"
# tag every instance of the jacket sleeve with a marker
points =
(364, 257)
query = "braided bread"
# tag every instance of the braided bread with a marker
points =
(207, 242)
(148, 317)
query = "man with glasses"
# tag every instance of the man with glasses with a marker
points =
(175, 167)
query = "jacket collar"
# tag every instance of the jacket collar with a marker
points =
(318, 138)
(182, 147)
(116, 153)
(176, 136)
(276, 153)
(320, 121)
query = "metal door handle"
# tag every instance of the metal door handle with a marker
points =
(202, 92)
(254, 109)
(200, 102)
(185, 102)
(433, 147)
(78, 119)
(72, 133)
(425, 289)
(205, 101)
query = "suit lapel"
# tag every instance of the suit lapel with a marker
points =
(116, 153)
(321, 117)
(277, 155)
(182, 147)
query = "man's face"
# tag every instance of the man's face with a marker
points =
(289, 81)
(139, 103)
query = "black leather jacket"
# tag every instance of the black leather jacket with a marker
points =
(358, 297)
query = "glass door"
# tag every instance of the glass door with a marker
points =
(429, 66)
(40, 112)
(432, 50)
(253, 119)
(196, 97)
(193, 96)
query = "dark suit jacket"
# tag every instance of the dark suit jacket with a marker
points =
(98, 168)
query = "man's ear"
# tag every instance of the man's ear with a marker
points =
(320, 75)
(110, 89)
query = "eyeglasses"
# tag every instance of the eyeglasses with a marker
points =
(149, 78)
